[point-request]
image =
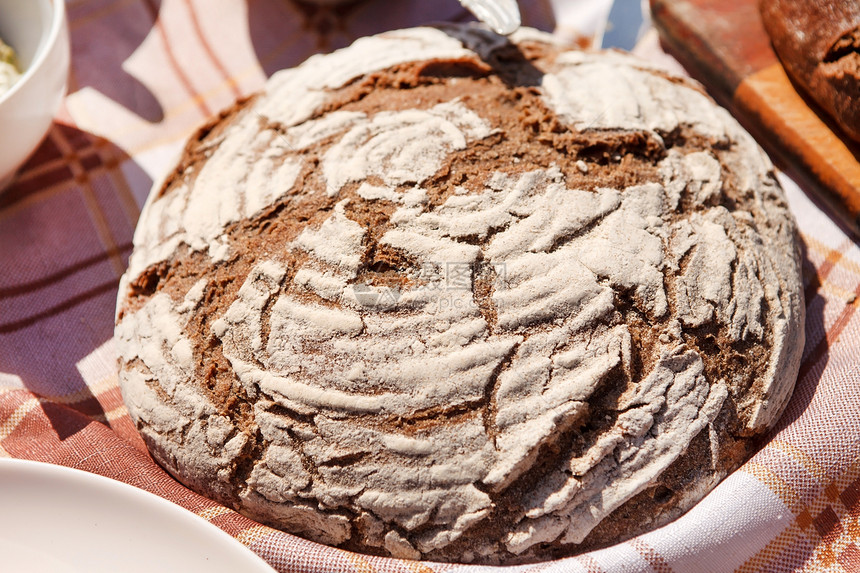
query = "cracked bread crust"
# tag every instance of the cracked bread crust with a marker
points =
(447, 297)
(818, 43)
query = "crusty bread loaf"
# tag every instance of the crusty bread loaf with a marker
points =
(442, 296)
(818, 42)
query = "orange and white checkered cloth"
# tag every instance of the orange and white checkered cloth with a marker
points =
(145, 73)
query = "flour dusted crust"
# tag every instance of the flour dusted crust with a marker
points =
(443, 296)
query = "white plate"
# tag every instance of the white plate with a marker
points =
(54, 518)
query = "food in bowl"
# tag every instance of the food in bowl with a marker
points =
(38, 30)
(10, 70)
(444, 295)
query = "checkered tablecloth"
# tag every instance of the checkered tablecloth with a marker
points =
(145, 73)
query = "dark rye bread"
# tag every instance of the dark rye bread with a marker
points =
(818, 42)
(431, 297)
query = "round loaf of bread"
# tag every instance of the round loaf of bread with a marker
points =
(818, 43)
(450, 296)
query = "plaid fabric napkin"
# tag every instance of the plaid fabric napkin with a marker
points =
(145, 73)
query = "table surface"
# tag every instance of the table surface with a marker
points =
(145, 74)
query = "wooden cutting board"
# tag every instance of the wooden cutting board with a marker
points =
(723, 44)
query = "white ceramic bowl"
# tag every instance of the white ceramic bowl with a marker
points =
(39, 33)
